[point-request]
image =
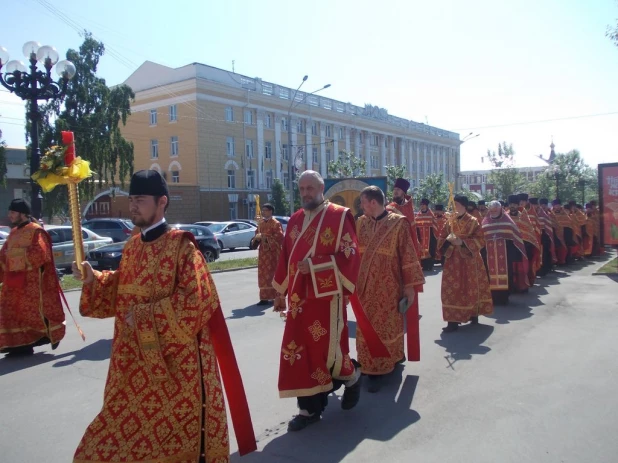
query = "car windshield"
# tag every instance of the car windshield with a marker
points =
(217, 227)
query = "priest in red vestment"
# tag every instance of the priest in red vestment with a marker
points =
(441, 222)
(30, 308)
(164, 398)
(427, 234)
(520, 216)
(566, 244)
(403, 204)
(269, 237)
(548, 257)
(465, 285)
(390, 271)
(507, 261)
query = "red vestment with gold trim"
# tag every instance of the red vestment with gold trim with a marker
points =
(389, 265)
(533, 248)
(407, 210)
(465, 286)
(30, 307)
(315, 347)
(163, 399)
(268, 256)
(427, 229)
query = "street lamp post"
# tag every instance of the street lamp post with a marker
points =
(582, 184)
(33, 86)
(292, 160)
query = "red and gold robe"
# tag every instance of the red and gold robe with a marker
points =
(533, 248)
(389, 265)
(268, 256)
(315, 347)
(505, 273)
(30, 307)
(427, 230)
(565, 226)
(163, 399)
(465, 285)
(407, 210)
(441, 221)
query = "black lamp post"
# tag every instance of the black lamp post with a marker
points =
(32, 85)
(582, 185)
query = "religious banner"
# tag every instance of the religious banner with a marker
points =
(608, 203)
(346, 191)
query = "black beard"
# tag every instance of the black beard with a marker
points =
(398, 200)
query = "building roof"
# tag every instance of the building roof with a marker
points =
(151, 75)
(16, 156)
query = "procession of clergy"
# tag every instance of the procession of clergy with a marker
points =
(171, 349)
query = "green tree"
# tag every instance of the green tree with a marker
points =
(2, 161)
(612, 33)
(392, 174)
(347, 166)
(278, 198)
(434, 188)
(505, 176)
(94, 112)
(567, 178)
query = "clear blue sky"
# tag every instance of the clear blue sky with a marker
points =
(462, 65)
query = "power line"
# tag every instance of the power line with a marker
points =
(538, 121)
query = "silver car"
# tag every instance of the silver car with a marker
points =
(62, 243)
(232, 235)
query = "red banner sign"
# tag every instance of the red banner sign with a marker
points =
(608, 202)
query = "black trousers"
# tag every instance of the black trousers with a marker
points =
(317, 403)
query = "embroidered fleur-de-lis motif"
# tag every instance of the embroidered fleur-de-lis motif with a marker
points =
(326, 282)
(295, 305)
(327, 237)
(294, 233)
(320, 376)
(348, 246)
(291, 354)
(317, 330)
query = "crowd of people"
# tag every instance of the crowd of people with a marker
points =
(171, 350)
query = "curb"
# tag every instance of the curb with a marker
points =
(233, 269)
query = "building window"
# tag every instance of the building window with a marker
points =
(233, 211)
(362, 138)
(251, 179)
(374, 162)
(154, 149)
(284, 124)
(248, 116)
(284, 152)
(231, 178)
(268, 150)
(174, 147)
(269, 179)
(286, 180)
(341, 133)
(230, 146)
(175, 176)
(267, 89)
(229, 114)
(284, 93)
(268, 121)
(328, 131)
(374, 140)
(249, 149)
(314, 151)
(413, 183)
(299, 126)
(385, 142)
(327, 156)
(173, 113)
(314, 128)
(153, 117)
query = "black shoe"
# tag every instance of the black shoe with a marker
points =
(375, 383)
(351, 394)
(402, 360)
(300, 422)
(474, 320)
(450, 327)
(263, 302)
(55, 345)
(21, 351)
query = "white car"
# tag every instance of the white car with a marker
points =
(232, 235)
(283, 220)
(62, 243)
(3, 236)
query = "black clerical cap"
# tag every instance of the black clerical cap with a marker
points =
(481, 202)
(148, 183)
(439, 207)
(523, 196)
(20, 205)
(425, 201)
(534, 201)
(543, 201)
(461, 199)
(513, 199)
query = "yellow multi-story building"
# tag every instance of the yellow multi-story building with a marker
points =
(221, 138)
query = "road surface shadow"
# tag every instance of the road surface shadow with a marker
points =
(465, 342)
(253, 310)
(378, 417)
(95, 352)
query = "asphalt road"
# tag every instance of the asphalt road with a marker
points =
(535, 382)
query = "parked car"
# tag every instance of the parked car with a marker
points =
(62, 244)
(107, 257)
(205, 239)
(204, 224)
(3, 236)
(117, 229)
(5, 229)
(232, 235)
(283, 220)
(250, 222)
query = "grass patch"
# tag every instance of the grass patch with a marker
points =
(68, 282)
(232, 264)
(610, 267)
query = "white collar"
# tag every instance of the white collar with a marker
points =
(152, 227)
